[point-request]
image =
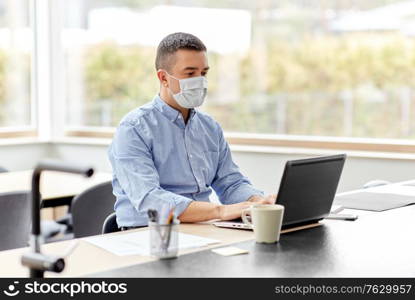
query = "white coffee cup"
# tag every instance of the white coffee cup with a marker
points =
(266, 221)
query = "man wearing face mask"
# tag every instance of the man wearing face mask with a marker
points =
(167, 153)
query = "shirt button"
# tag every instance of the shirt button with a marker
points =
(191, 156)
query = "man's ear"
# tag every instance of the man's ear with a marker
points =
(162, 76)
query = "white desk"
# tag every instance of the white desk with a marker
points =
(53, 186)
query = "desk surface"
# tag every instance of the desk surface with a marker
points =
(53, 184)
(378, 244)
(88, 258)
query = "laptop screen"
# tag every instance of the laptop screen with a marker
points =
(308, 187)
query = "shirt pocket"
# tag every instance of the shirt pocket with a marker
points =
(210, 162)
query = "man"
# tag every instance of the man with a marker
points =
(166, 153)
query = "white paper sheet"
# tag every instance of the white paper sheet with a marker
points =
(229, 251)
(394, 189)
(138, 243)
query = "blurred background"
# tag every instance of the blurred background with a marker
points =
(317, 67)
(284, 69)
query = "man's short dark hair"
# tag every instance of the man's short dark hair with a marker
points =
(171, 44)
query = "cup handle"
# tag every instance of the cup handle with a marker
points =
(244, 218)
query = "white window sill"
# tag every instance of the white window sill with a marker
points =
(317, 152)
(105, 142)
(262, 149)
(22, 141)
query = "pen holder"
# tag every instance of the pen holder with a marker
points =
(164, 240)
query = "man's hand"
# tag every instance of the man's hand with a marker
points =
(234, 211)
(198, 211)
(269, 199)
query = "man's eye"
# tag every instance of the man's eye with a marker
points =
(204, 73)
(190, 74)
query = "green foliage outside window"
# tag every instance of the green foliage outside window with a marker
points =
(353, 85)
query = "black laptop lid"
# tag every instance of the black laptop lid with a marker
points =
(308, 187)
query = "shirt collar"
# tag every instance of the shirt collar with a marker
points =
(192, 112)
(169, 111)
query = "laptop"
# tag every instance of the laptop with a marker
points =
(307, 190)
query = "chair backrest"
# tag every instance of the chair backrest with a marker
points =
(15, 220)
(90, 208)
(110, 224)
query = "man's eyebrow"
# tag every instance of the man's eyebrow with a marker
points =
(189, 69)
(194, 68)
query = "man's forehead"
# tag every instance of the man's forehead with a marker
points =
(190, 60)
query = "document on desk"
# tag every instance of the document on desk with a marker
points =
(379, 198)
(138, 243)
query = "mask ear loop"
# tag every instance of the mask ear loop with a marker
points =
(171, 92)
(171, 75)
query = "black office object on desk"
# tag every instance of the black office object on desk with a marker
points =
(307, 189)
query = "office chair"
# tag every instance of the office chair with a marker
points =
(90, 208)
(15, 220)
(49, 228)
(3, 170)
(87, 213)
(110, 224)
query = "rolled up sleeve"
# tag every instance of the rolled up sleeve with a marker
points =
(134, 168)
(229, 184)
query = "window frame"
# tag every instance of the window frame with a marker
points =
(284, 141)
(17, 132)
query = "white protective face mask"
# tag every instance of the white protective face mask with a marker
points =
(192, 93)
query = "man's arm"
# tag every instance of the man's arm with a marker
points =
(229, 184)
(134, 167)
(133, 164)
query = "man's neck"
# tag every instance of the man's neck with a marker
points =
(168, 99)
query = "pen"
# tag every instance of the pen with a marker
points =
(170, 216)
(170, 225)
(164, 212)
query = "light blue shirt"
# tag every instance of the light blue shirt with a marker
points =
(157, 159)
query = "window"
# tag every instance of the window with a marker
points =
(294, 69)
(16, 43)
(108, 64)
